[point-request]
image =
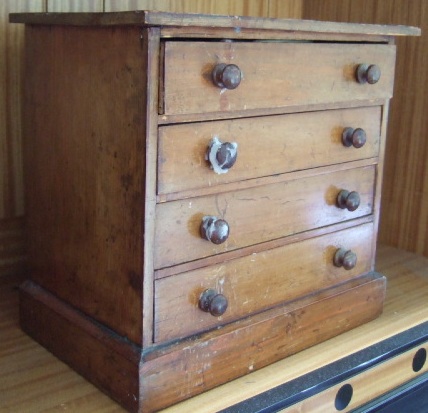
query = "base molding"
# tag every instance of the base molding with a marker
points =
(151, 379)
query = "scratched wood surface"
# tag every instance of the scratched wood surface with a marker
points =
(188, 90)
(293, 207)
(258, 281)
(404, 219)
(405, 211)
(266, 146)
(31, 379)
(89, 222)
(12, 207)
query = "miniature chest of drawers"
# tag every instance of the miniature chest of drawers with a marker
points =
(203, 192)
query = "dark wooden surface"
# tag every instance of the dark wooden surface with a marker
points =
(84, 154)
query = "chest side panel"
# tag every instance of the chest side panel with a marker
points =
(84, 129)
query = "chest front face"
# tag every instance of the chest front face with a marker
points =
(200, 204)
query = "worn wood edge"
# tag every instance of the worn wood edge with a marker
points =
(192, 371)
(264, 180)
(379, 175)
(250, 321)
(151, 46)
(249, 113)
(264, 246)
(169, 370)
(158, 18)
(71, 336)
(265, 35)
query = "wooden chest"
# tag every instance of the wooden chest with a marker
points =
(203, 192)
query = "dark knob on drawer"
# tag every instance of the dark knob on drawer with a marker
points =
(221, 155)
(368, 74)
(345, 258)
(212, 302)
(214, 229)
(226, 76)
(348, 200)
(354, 137)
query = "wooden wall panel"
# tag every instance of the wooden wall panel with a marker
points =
(286, 9)
(236, 7)
(404, 217)
(260, 8)
(12, 248)
(11, 177)
(11, 50)
(74, 5)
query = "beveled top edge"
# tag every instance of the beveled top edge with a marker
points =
(158, 18)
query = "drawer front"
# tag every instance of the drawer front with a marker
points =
(273, 75)
(258, 214)
(257, 282)
(266, 146)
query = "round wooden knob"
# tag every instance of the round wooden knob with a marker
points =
(226, 76)
(212, 302)
(368, 74)
(221, 155)
(214, 229)
(345, 258)
(354, 137)
(348, 200)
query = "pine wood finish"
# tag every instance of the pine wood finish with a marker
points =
(258, 214)
(12, 208)
(312, 78)
(266, 146)
(366, 386)
(32, 379)
(258, 281)
(99, 227)
(404, 222)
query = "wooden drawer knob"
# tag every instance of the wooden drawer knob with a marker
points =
(345, 258)
(348, 200)
(214, 229)
(368, 74)
(212, 302)
(221, 155)
(226, 76)
(354, 137)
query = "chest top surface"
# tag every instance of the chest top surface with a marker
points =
(158, 18)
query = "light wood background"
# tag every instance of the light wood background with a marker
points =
(404, 222)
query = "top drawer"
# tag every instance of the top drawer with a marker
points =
(273, 75)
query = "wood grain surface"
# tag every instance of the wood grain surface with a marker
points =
(256, 282)
(12, 204)
(32, 379)
(88, 248)
(310, 74)
(258, 214)
(366, 386)
(404, 219)
(266, 146)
